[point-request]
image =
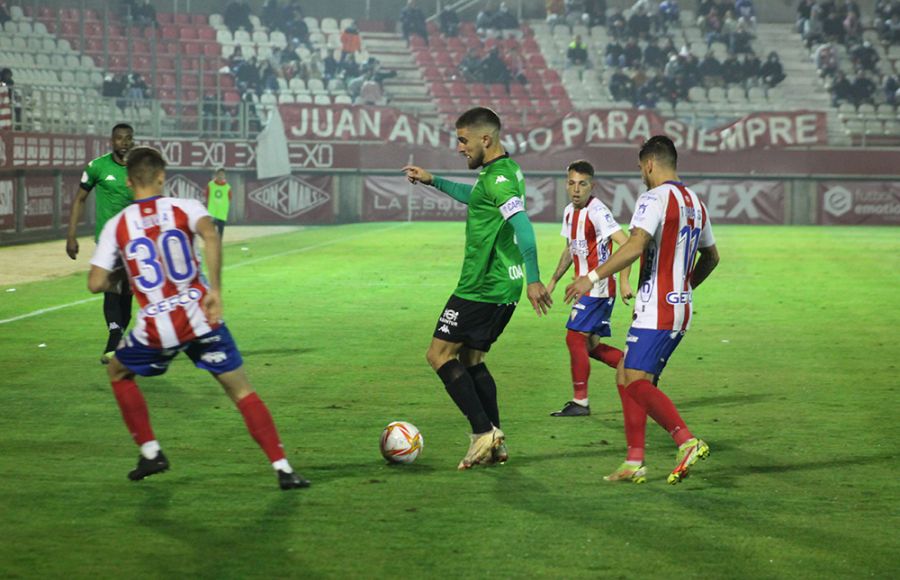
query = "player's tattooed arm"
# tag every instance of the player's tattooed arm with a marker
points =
(212, 302)
(565, 262)
(706, 263)
(625, 290)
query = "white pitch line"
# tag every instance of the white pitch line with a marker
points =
(238, 265)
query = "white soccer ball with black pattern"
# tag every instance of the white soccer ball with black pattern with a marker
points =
(401, 442)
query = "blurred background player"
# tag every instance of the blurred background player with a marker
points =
(218, 199)
(669, 227)
(499, 242)
(107, 175)
(180, 311)
(590, 229)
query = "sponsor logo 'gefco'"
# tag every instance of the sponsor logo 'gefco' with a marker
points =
(289, 197)
(678, 298)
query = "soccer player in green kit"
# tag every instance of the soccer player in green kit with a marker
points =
(107, 174)
(500, 251)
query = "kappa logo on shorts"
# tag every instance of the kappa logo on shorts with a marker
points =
(445, 329)
(214, 358)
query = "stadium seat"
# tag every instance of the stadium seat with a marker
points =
(343, 100)
(322, 100)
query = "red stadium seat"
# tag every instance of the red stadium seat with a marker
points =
(444, 59)
(93, 29)
(46, 12)
(94, 45)
(478, 90)
(199, 19)
(530, 45)
(439, 90)
(517, 91)
(192, 48)
(416, 42)
(206, 33)
(169, 32)
(190, 80)
(91, 15)
(211, 49)
(165, 63)
(140, 46)
(190, 63)
(141, 63)
(537, 91)
(68, 29)
(458, 90)
(117, 63)
(551, 77)
(498, 91)
(455, 43)
(166, 80)
(231, 97)
(165, 18)
(187, 33)
(537, 61)
(189, 95)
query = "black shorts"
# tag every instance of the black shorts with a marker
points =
(475, 324)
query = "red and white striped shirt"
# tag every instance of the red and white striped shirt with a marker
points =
(679, 224)
(6, 107)
(588, 231)
(156, 240)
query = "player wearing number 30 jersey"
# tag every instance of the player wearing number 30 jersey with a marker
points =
(670, 227)
(156, 238)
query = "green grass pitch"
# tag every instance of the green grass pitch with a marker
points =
(789, 372)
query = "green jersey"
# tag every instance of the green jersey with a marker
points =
(113, 195)
(218, 199)
(492, 268)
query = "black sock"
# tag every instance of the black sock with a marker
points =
(125, 300)
(112, 312)
(461, 389)
(487, 391)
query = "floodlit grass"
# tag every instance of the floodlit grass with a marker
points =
(789, 372)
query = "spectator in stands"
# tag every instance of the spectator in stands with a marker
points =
(669, 14)
(371, 93)
(651, 91)
(890, 86)
(732, 72)
(891, 31)
(145, 15)
(470, 66)
(577, 53)
(613, 54)
(350, 68)
(211, 110)
(113, 86)
(711, 70)
(631, 53)
(4, 13)
(412, 21)
(351, 43)
(137, 90)
(621, 87)
(668, 48)
(864, 56)
(248, 74)
(495, 70)
(574, 12)
(271, 15)
(237, 15)
(639, 24)
(377, 72)
(841, 90)
(331, 68)
(486, 20)
(236, 59)
(814, 28)
(249, 99)
(826, 60)
(505, 19)
(673, 68)
(654, 57)
(268, 78)
(852, 28)
(740, 40)
(833, 27)
(690, 68)
(752, 67)
(596, 12)
(771, 72)
(711, 28)
(617, 25)
(804, 7)
(448, 22)
(295, 27)
(745, 8)
(862, 89)
(555, 12)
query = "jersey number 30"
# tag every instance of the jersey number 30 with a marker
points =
(177, 261)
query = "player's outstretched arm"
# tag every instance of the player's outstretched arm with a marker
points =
(706, 263)
(212, 302)
(565, 261)
(625, 290)
(537, 293)
(458, 191)
(621, 258)
(74, 218)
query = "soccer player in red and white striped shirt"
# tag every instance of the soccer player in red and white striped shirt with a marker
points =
(669, 228)
(180, 311)
(590, 229)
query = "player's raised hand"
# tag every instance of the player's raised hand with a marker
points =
(72, 247)
(581, 286)
(539, 298)
(212, 306)
(417, 174)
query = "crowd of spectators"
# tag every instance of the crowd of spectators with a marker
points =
(140, 13)
(129, 89)
(491, 68)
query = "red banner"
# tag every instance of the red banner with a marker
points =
(7, 204)
(295, 199)
(859, 203)
(388, 198)
(728, 202)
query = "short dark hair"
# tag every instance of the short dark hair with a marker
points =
(479, 116)
(581, 166)
(660, 148)
(122, 126)
(144, 164)
(218, 169)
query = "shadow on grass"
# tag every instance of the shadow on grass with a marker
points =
(721, 400)
(265, 351)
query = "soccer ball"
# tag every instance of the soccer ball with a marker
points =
(401, 442)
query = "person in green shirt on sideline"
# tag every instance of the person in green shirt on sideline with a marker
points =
(218, 199)
(500, 251)
(107, 174)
